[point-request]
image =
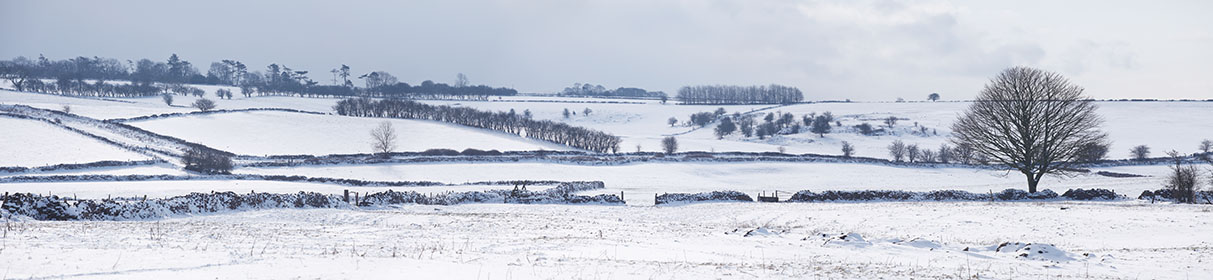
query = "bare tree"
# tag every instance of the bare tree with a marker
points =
(1030, 120)
(1184, 180)
(847, 149)
(672, 121)
(383, 138)
(890, 121)
(1140, 152)
(461, 80)
(669, 145)
(168, 99)
(1206, 146)
(897, 150)
(204, 104)
(913, 154)
(933, 97)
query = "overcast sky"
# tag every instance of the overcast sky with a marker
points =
(862, 50)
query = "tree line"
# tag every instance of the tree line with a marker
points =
(88, 76)
(723, 94)
(592, 90)
(508, 122)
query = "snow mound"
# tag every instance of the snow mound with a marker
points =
(920, 243)
(756, 232)
(1034, 251)
(847, 239)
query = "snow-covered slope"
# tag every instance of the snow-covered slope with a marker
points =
(1161, 125)
(31, 143)
(641, 181)
(286, 133)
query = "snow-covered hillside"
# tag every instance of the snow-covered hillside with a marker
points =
(286, 133)
(32, 143)
(1161, 125)
(641, 181)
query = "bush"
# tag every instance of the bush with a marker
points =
(204, 104)
(206, 161)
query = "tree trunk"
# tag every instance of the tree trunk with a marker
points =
(1032, 182)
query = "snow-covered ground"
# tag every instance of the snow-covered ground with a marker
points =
(1125, 239)
(161, 189)
(640, 181)
(1056, 240)
(286, 133)
(1161, 125)
(31, 143)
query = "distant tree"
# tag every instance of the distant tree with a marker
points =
(1029, 120)
(770, 117)
(1092, 152)
(945, 153)
(927, 155)
(672, 121)
(461, 80)
(344, 73)
(821, 125)
(933, 97)
(664, 99)
(746, 125)
(897, 150)
(224, 93)
(1206, 146)
(203, 104)
(864, 128)
(890, 121)
(206, 161)
(1140, 152)
(526, 114)
(725, 127)
(383, 139)
(168, 99)
(1184, 180)
(587, 112)
(247, 90)
(964, 153)
(901, 100)
(766, 129)
(913, 153)
(847, 149)
(669, 145)
(566, 113)
(67, 108)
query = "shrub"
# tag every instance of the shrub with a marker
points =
(206, 161)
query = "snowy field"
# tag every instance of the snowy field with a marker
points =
(699, 241)
(31, 143)
(1123, 239)
(286, 133)
(1161, 125)
(162, 189)
(641, 181)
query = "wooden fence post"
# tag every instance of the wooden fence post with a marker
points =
(347, 196)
